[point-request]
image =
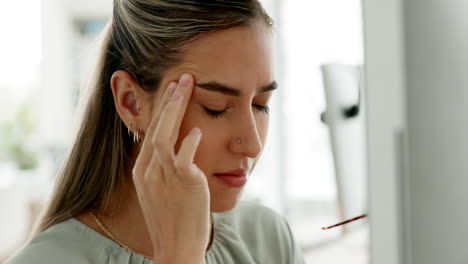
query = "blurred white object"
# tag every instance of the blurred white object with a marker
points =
(14, 223)
(345, 119)
(7, 174)
(20, 194)
(416, 86)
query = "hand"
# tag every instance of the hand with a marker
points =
(172, 191)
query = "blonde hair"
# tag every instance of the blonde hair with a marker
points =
(144, 38)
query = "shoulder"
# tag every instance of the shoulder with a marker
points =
(249, 214)
(263, 231)
(268, 231)
(61, 243)
(254, 218)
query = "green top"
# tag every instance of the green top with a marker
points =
(250, 233)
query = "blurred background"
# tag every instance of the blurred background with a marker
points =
(47, 60)
(346, 138)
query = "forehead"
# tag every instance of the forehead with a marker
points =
(240, 57)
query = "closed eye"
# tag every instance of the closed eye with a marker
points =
(264, 108)
(222, 113)
(215, 113)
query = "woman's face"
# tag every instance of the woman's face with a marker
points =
(234, 80)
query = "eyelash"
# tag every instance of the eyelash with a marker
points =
(221, 114)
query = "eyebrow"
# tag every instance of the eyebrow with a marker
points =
(227, 90)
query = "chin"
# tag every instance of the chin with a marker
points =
(223, 202)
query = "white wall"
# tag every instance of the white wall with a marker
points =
(14, 216)
(56, 61)
(384, 84)
(416, 63)
(436, 44)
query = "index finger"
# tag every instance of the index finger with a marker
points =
(186, 87)
(167, 129)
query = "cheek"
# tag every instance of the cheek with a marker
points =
(196, 118)
(212, 140)
(188, 123)
(262, 127)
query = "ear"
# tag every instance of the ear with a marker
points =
(128, 99)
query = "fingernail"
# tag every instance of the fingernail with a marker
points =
(195, 131)
(176, 95)
(185, 79)
(171, 88)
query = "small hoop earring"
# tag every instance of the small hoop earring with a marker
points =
(136, 137)
(129, 130)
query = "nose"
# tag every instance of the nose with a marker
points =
(246, 139)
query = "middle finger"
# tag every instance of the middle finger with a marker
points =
(146, 151)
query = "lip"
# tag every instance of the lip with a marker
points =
(235, 179)
(238, 173)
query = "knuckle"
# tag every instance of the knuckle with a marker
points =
(159, 143)
(134, 172)
(147, 179)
